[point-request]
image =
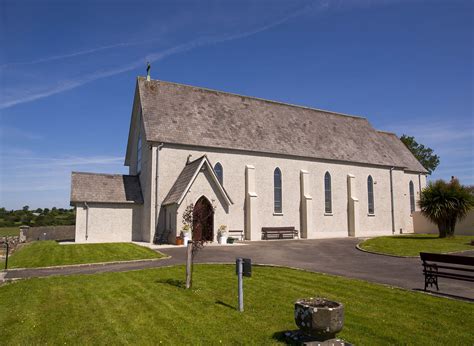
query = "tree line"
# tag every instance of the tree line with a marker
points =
(37, 217)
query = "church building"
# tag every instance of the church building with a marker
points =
(247, 163)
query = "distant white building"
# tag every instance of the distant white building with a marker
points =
(247, 163)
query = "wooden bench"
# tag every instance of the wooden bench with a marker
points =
(236, 233)
(279, 233)
(446, 266)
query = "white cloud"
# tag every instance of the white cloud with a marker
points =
(436, 132)
(451, 141)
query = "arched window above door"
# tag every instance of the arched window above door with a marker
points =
(219, 172)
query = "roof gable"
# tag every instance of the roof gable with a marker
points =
(186, 179)
(398, 151)
(135, 121)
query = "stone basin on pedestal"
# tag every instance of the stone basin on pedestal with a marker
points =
(319, 317)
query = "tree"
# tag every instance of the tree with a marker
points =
(26, 208)
(445, 204)
(40, 221)
(423, 154)
(470, 188)
(194, 246)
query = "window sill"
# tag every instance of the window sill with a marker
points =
(277, 214)
(328, 214)
(371, 215)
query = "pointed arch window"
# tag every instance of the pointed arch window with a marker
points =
(327, 194)
(370, 195)
(277, 195)
(219, 172)
(412, 197)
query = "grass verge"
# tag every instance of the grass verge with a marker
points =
(151, 306)
(413, 244)
(50, 253)
(9, 231)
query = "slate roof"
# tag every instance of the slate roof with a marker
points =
(397, 151)
(105, 188)
(183, 180)
(186, 178)
(182, 114)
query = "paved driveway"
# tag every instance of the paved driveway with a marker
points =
(332, 256)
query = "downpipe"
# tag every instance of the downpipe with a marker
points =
(87, 219)
(391, 200)
(157, 209)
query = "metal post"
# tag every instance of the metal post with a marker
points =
(240, 283)
(6, 258)
(392, 207)
(189, 264)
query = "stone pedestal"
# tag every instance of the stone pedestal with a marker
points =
(299, 338)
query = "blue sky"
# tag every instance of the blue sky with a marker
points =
(68, 69)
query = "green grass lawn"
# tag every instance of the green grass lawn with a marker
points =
(9, 231)
(151, 306)
(413, 244)
(50, 253)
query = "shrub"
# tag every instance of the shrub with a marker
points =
(445, 204)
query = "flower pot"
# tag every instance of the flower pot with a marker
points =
(230, 240)
(179, 241)
(222, 239)
(319, 317)
(185, 239)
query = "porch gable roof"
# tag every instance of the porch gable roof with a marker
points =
(186, 179)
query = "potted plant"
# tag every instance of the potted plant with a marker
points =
(222, 234)
(187, 228)
(179, 241)
(319, 317)
(185, 234)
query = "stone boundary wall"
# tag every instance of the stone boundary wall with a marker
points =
(61, 233)
(423, 225)
(13, 241)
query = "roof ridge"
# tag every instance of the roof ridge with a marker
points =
(387, 132)
(259, 99)
(198, 159)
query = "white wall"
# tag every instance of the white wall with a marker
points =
(146, 182)
(108, 223)
(403, 216)
(173, 159)
(423, 225)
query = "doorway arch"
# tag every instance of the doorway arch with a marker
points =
(203, 220)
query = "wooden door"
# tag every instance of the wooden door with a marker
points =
(203, 220)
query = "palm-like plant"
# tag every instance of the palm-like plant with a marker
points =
(445, 204)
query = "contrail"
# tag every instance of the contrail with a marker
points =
(200, 42)
(79, 53)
